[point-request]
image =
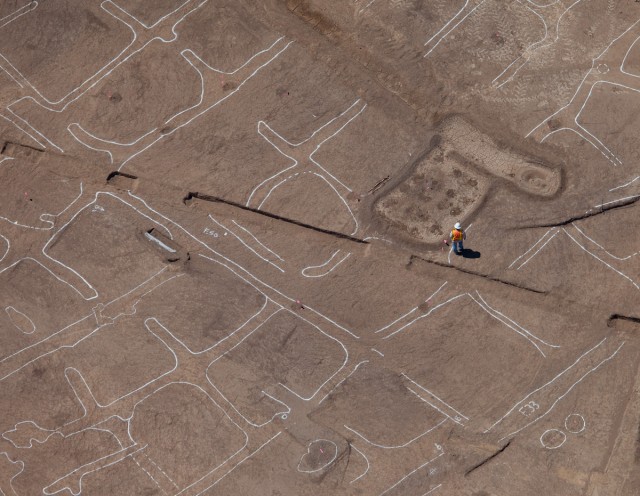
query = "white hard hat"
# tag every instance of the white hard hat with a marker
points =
(457, 226)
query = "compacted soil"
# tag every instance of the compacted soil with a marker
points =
(223, 257)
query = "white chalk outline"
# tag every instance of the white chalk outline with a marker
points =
(130, 453)
(378, 238)
(31, 439)
(528, 396)
(410, 311)
(453, 28)
(45, 217)
(258, 241)
(161, 471)
(50, 433)
(81, 210)
(624, 60)
(12, 77)
(33, 326)
(448, 22)
(50, 272)
(239, 463)
(602, 247)
(526, 332)
(115, 62)
(366, 6)
(365, 459)
(532, 247)
(267, 301)
(14, 15)
(159, 20)
(585, 77)
(51, 102)
(8, 247)
(342, 380)
(503, 319)
(333, 267)
(90, 316)
(12, 462)
(585, 138)
(243, 270)
(550, 447)
(10, 110)
(295, 145)
(528, 52)
(412, 472)
(553, 2)
(309, 450)
(593, 369)
(331, 178)
(98, 76)
(555, 233)
(635, 284)
(128, 421)
(584, 423)
(606, 152)
(231, 404)
(613, 158)
(248, 247)
(225, 97)
(118, 399)
(132, 143)
(66, 208)
(240, 267)
(397, 320)
(224, 414)
(616, 201)
(143, 386)
(626, 184)
(449, 254)
(146, 471)
(221, 72)
(432, 489)
(353, 217)
(344, 363)
(361, 436)
(424, 315)
(309, 398)
(23, 130)
(171, 118)
(457, 418)
(25, 226)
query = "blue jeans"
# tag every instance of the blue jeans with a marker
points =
(457, 247)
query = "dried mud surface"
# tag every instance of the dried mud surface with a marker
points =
(222, 267)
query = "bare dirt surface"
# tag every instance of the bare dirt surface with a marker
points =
(222, 267)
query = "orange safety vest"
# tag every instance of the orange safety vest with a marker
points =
(457, 235)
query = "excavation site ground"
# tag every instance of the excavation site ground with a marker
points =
(222, 257)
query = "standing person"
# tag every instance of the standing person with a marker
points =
(457, 238)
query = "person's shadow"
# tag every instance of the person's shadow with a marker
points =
(467, 253)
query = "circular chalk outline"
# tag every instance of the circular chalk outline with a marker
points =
(584, 423)
(564, 439)
(284, 416)
(604, 70)
(309, 450)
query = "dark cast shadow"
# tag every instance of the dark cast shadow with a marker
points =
(467, 253)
